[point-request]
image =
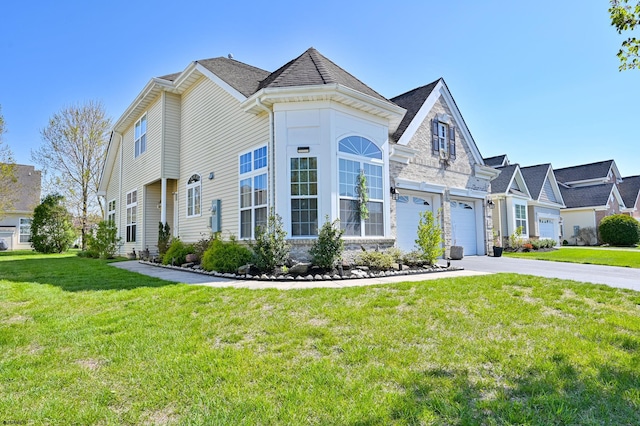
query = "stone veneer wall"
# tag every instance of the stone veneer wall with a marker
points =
(352, 246)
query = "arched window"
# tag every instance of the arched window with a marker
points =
(194, 188)
(359, 155)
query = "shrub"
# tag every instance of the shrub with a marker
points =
(203, 244)
(527, 247)
(565, 242)
(164, 236)
(226, 256)
(51, 228)
(177, 252)
(429, 237)
(271, 248)
(413, 258)
(327, 248)
(547, 243)
(395, 253)
(620, 230)
(514, 239)
(375, 260)
(105, 243)
(587, 235)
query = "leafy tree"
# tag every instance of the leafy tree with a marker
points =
(105, 243)
(619, 230)
(51, 228)
(7, 173)
(271, 248)
(625, 17)
(429, 237)
(74, 148)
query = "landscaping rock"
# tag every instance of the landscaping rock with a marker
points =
(300, 268)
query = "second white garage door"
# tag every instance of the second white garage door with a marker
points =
(463, 226)
(408, 210)
(547, 229)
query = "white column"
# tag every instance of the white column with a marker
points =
(163, 201)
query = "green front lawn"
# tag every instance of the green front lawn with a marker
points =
(598, 256)
(85, 343)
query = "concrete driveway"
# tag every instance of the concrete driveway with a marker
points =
(610, 275)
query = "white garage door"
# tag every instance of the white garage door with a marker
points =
(547, 229)
(408, 210)
(463, 226)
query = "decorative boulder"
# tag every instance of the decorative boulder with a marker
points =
(301, 268)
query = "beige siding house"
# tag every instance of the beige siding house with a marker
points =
(15, 223)
(214, 147)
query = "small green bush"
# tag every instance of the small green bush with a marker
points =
(619, 230)
(271, 248)
(375, 260)
(328, 247)
(105, 243)
(201, 246)
(429, 237)
(413, 258)
(177, 252)
(395, 253)
(225, 256)
(164, 236)
(515, 242)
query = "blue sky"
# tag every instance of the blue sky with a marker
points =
(536, 80)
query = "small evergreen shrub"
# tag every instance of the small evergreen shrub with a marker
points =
(619, 230)
(164, 236)
(395, 253)
(225, 256)
(203, 244)
(515, 242)
(429, 238)
(271, 248)
(328, 247)
(375, 260)
(177, 252)
(105, 243)
(413, 258)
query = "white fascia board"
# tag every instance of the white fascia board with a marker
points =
(419, 186)
(547, 205)
(461, 124)
(154, 86)
(616, 193)
(593, 181)
(486, 172)
(554, 184)
(107, 168)
(589, 208)
(616, 172)
(220, 82)
(465, 192)
(521, 182)
(401, 154)
(421, 115)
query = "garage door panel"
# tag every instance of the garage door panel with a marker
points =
(463, 226)
(547, 229)
(408, 209)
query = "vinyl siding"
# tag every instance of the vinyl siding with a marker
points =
(151, 216)
(112, 192)
(172, 112)
(547, 195)
(214, 129)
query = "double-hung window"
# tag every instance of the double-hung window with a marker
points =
(521, 217)
(194, 188)
(111, 212)
(140, 134)
(304, 196)
(132, 210)
(253, 191)
(358, 155)
(443, 130)
(25, 230)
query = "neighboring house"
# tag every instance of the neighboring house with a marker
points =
(590, 192)
(214, 147)
(497, 161)
(510, 196)
(630, 192)
(15, 224)
(545, 204)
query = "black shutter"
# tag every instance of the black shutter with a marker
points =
(435, 145)
(452, 142)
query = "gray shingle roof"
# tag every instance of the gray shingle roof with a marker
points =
(534, 177)
(312, 68)
(242, 77)
(629, 189)
(583, 171)
(500, 185)
(496, 161)
(412, 101)
(586, 196)
(27, 188)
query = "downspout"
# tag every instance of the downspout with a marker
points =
(271, 163)
(119, 206)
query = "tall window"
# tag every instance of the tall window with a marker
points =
(304, 196)
(141, 136)
(25, 230)
(253, 191)
(194, 187)
(443, 130)
(132, 209)
(111, 212)
(360, 155)
(521, 217)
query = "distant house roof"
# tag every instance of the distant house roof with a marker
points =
(535, 177)
(497, 161)
(412, 101)
(599, 170)
(629, 190)
(586, 196)
(500, 185)
(26, 195)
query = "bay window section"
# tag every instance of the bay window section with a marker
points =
(253, 192)
(304, 196)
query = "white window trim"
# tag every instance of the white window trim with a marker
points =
(193, 186)
(252, 174)
(137, 154)
(20, 226)
(111, 211)
(301, 197)
(130, 206)
(443, 128)
(362, 160)
(525, 233)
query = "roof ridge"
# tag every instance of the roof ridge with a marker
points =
(317, 59)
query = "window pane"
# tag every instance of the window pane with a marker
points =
(196, 200)
(245, 193)
(374, 225)
(260, 188)
(373, 174)
(349, 171)
(260, 158)
(261, 218)
(358, 145)
(350, 217)
(245, 163)
(245, 224)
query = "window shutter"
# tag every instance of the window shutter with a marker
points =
(435, 145)
(452, 142)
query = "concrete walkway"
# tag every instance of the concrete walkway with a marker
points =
(211, 281)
